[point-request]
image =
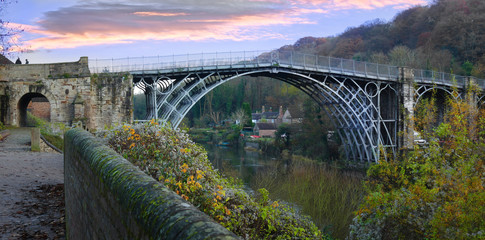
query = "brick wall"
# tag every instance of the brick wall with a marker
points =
(108, 198)
(40, 109)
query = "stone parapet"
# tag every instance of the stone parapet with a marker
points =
(22, 72)
(109, 198)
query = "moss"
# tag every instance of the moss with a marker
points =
(156, 209)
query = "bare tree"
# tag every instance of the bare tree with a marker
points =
(7, 33)
(402, 56)
(239, 116)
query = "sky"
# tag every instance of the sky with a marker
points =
(63, 31)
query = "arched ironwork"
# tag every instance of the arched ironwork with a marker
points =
(354, 103)
(362, 98)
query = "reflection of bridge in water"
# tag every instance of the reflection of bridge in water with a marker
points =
(364, 99)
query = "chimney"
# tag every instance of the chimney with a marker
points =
(262, 110)
(281, 112)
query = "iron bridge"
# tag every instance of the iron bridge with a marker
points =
(363, 98)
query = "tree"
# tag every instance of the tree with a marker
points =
(240, 117)
(402, 56)
(437, 192)
(7, 33)
(247, 110)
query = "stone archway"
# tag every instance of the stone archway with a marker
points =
(37, 104)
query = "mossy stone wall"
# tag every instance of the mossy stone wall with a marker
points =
(109, 198)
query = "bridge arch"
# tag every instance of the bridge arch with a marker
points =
(26, 97)
(354, 105)
(425, 89)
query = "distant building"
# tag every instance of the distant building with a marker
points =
(268, 117)
(265, 129)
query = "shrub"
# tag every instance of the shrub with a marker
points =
(437, 192)
(173, 159)
(51, 131)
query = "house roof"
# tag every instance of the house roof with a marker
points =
(270, 115)
(4, 60)
(266, 126)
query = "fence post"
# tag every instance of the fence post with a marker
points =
(341, 65)
(291, 58)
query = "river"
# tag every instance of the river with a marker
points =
(240, 163)
(325, 193)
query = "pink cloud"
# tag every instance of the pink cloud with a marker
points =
(99, 22)
(160, 14)
(361, 4)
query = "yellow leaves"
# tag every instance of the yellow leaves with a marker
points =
(199, 173)
(153, 122)
(227, 211)
(132, 145)
(184, 167)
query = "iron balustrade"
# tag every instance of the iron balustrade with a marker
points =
(287, 59)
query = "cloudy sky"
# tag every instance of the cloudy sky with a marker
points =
(57, 31)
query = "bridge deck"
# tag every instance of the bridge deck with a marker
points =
(160, 65)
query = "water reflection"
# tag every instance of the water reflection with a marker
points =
(237, 162)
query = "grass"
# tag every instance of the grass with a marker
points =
(330, 196)
(46, 130)
(55, 140)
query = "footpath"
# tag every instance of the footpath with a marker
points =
(31, 190)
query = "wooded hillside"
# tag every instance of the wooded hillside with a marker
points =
(447, 36)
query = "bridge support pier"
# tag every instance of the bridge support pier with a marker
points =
(151, 101)
(406, 121)
(472, 92)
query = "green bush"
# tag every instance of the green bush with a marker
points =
(46, 129)
(437, 192)
(173, 159)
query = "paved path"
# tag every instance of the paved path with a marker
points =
(24, 178)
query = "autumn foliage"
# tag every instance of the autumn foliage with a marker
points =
(437, 192)
(172, 158)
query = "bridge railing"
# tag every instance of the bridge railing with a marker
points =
(176, 61)
(442, 78)
(291, 59)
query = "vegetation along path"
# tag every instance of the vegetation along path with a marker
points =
(31, 190)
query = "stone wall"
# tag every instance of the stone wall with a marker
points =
(73, 94)
(108, 198)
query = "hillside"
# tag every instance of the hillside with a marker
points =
(448, 36)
